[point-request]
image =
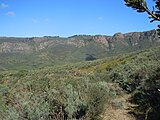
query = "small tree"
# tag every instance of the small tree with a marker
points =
(141, 6)
(90, 57)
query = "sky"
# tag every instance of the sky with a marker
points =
(28, 18)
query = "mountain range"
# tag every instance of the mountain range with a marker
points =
(33, 52)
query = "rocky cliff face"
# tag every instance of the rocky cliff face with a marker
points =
(28, 45)
(38, 52)
(7, 47)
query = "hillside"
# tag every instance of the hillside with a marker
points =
(38, 52)
(84, 90)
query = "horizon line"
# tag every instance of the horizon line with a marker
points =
(1, 36)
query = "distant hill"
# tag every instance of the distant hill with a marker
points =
(36, 52)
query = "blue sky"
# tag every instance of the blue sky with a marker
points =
(69, 17)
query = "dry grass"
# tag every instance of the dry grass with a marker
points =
(119, 109)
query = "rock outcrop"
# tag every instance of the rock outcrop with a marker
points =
(28, 45)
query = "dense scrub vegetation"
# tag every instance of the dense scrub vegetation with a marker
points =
(139, 75)
(82, 90)
(52, 94)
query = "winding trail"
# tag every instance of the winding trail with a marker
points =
(119, 109)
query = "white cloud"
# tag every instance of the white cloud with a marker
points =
(34, 20)
(100, 18)
(3, 5)
(46, 19)
(10, 13)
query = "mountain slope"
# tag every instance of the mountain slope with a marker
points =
(37, 52)
(83, 90)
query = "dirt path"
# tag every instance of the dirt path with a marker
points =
(119, 109)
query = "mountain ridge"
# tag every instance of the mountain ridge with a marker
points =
(51, 50)
(14, 44)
